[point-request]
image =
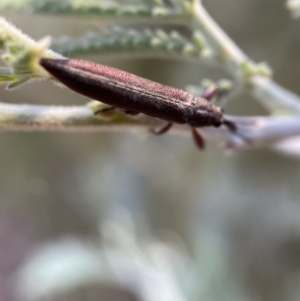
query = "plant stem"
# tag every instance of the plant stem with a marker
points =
(225, 48)
(271, 95)
(257, 131)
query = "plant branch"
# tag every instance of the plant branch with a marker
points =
(226, 50)
(271, 95)
(252, 131)
(62, 118)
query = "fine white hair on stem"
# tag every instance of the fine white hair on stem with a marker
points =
(251, 131)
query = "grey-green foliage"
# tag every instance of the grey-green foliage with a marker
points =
(115, 40)
(153, 8)
(119, 39)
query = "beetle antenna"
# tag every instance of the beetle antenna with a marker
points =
(232, 127)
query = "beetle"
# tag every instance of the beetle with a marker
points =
(133, 95)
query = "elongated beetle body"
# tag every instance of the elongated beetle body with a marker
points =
(134, 94)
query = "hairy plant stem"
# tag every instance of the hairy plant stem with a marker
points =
(271, 95)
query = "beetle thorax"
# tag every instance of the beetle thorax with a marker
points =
(205, 114)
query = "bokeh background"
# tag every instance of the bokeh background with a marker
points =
(243, 208)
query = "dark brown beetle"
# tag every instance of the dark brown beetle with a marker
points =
(133, 94)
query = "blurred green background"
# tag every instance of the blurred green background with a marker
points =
(54, 185)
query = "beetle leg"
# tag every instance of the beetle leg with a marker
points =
(198, 139)
(110, 109)
(162, 130)
(210, 92)
(131, 113)
(105, 110)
